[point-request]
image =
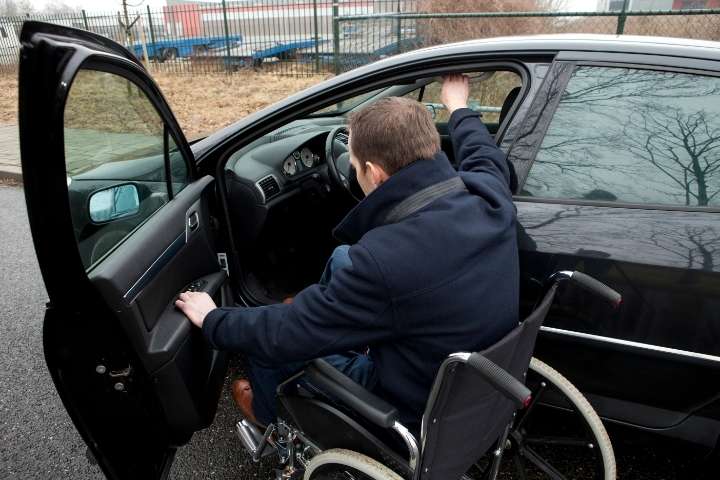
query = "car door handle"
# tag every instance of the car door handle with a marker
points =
(193, 221)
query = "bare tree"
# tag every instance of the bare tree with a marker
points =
(439, 30)
(14, 8)
(56, 7)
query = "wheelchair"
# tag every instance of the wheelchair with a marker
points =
(484, 418)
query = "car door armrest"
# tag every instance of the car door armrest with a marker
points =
(334, 383)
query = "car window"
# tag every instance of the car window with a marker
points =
(347, 104)
(115, 145)
(633, 136)
(488, 91)
(178, 167)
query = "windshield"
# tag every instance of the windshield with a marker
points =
(347, 104)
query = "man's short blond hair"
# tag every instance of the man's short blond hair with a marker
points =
(392, 133)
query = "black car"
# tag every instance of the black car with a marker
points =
(615, 143)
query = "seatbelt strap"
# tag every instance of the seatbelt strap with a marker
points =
(423, 198)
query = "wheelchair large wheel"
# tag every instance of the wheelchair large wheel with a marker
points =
(340, 464)
(559, 435)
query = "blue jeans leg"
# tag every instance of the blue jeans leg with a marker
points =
(340, 258)
(265, 380)
(358, 366)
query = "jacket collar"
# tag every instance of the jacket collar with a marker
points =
(371, 211)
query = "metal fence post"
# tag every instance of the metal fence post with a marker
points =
(85, 22)
(317, 40)
(336, 35)
(399, 29)
(622, 17)
(153, 46)
(227, 36)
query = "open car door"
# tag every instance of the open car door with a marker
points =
(121, 226)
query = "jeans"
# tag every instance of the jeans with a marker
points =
(265, 380)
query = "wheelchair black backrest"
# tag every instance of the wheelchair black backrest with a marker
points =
(465, 415)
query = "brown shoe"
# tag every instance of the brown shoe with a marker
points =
(243, 396)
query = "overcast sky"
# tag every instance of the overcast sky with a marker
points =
(101, 5)
(110, 5)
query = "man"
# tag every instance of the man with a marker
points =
(432, 266)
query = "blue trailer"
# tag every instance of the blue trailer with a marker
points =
(255, 53)
(170, 49)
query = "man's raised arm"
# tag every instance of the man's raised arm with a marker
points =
(474, 148)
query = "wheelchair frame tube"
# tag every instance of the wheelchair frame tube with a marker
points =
(498, 453)
(410, 442)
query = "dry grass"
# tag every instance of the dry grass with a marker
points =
(201, 103)
(204, 103)
(8, 98)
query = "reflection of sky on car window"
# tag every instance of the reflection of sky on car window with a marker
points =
(635, 136)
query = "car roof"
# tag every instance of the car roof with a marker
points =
(551, 45)
(586, 42)
(566, 42)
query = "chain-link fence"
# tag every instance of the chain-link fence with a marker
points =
(279, 36)
(308, 37)
(376, 36)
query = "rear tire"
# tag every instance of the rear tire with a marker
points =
(559, 435)
(341, 464)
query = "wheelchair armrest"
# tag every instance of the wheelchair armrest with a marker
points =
(339, 386)
(501, 380)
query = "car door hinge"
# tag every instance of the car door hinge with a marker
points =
(222, 260)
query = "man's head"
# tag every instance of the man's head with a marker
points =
(386, 136)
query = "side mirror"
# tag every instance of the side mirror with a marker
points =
(113, 203)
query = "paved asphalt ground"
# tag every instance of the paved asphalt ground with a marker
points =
(38, 441)
(37, 438)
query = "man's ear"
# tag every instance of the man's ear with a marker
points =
(376, 173)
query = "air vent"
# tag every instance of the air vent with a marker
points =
(269, 187)
(342, 137)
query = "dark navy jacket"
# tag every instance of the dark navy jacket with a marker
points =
(443, 280)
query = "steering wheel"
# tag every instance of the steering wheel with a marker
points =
(337, 156)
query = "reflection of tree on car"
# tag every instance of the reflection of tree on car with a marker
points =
(653, 116)
(683, 146)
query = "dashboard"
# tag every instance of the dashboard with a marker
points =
(300, 161)
(275, 174)
(282, 161)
